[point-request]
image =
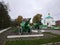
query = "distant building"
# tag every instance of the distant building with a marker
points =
(58, 23)
(49, 21)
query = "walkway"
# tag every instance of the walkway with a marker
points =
(3, 35)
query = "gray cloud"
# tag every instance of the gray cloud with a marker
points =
(28, 8)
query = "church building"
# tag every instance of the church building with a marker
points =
(49, 21)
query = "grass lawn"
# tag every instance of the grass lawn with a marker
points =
(35, 41)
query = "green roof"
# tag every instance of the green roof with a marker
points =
(48, 17)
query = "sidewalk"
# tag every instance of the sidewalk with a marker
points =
(53, 31)
(1, 31)
(3, 35)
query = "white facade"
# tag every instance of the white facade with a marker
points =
(49, 21)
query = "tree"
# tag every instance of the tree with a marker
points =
(13, 22)
(37, 18)
(4, 17)
(37, 21)
(19, 19)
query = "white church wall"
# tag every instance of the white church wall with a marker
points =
(50, 21)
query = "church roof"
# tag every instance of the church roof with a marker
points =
(48, 17)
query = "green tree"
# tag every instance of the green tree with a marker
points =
(4, 17)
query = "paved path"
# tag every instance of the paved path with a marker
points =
(3, 35)
(53, 31)
(1, 31)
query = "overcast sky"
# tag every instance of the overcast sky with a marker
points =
(28, 8)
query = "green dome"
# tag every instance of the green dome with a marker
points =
(48, 17)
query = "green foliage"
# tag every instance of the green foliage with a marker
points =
(25, 25)
(4, 17)
(55, 27)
